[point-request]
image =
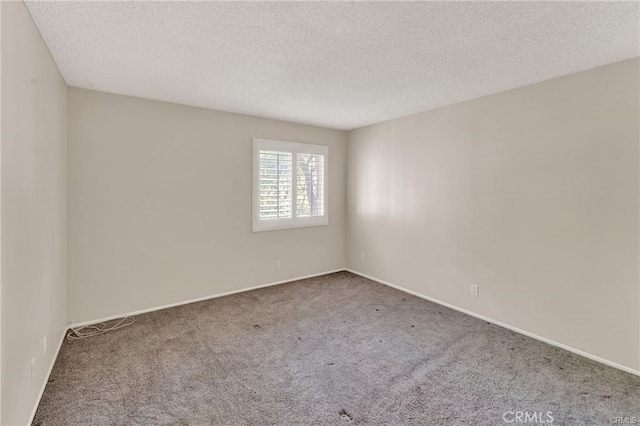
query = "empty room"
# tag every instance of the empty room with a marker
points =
(319, 213)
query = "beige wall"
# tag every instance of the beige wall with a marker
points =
(160, 205)
(34, 295)
(531, 194)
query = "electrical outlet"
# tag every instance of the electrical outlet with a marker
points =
(278, 264)
(44, 345)
(361, 257)
(475, 290)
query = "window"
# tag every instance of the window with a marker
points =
(289, 185)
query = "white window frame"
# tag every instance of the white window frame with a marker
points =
(294, 148)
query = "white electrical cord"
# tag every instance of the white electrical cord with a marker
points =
(97, 329)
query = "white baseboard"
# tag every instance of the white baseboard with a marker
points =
(501, 324)
(46, 378)
(199, 299)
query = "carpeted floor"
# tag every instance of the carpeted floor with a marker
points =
(332, 350)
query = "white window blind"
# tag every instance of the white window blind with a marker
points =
(289, 185)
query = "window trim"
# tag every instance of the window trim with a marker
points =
(294, 148)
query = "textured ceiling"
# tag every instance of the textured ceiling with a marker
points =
(333, 64)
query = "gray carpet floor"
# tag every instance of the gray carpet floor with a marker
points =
(331, 350)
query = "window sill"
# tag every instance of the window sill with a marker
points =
(302, 224)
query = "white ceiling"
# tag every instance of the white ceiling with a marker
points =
(333, 64)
